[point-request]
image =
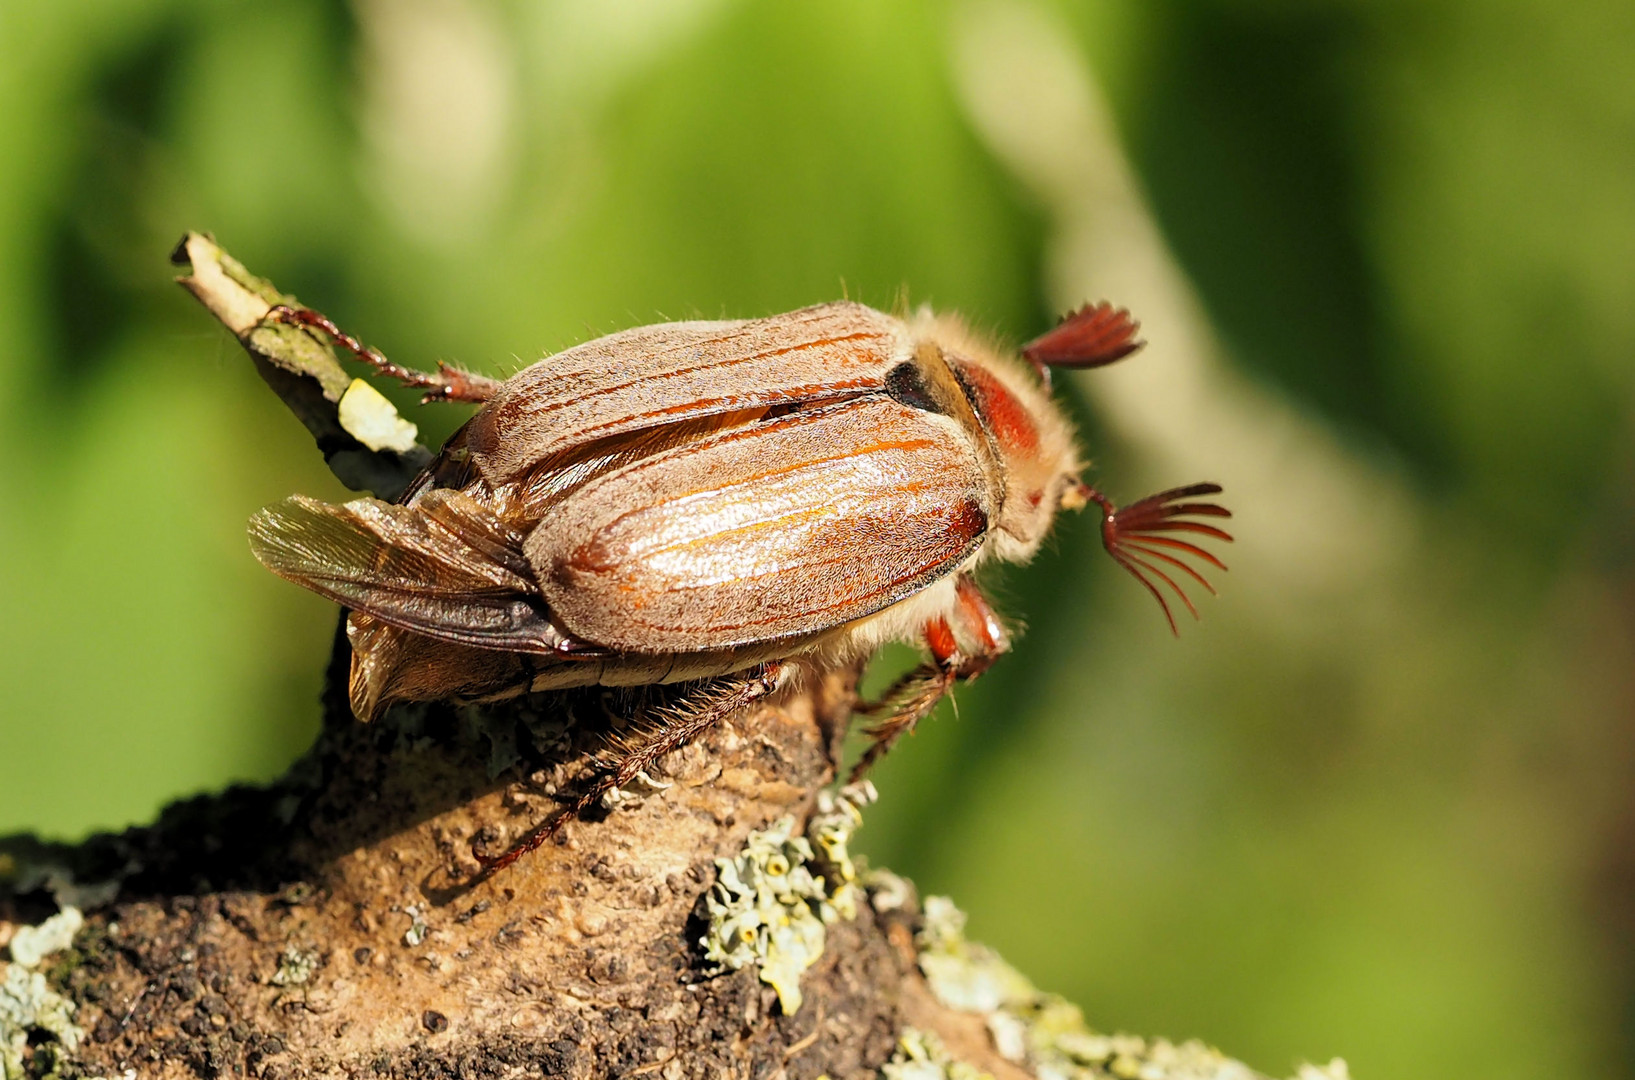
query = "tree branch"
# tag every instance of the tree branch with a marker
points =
(306, 928)
(302, 370)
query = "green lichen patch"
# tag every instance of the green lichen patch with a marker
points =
(633, 793)
(839, 815)
(31, 944)
(770, 903)
(416, 933)
(28, 1009)
(920, 1055)
(295, 967)
(764, 910)
(1047, 1033)
(963, 974)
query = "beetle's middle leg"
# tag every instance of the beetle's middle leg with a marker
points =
(692, 718)
(963, 645)
(447, 383)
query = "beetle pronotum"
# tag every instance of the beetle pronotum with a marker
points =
(721, 501)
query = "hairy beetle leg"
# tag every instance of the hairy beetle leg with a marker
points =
(446, 384)
(912, 698)
(692, 718)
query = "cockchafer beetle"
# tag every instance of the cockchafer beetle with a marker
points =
(721, 501)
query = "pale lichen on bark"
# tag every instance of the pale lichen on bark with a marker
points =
(302, 370)
(312, 927)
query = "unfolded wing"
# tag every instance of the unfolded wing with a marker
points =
(670, 373)
(444, 567)
(782, 528)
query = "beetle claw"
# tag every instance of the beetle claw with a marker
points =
(1132, 537)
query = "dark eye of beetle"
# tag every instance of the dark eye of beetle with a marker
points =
(904, 384)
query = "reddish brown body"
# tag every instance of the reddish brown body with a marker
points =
(701, 499)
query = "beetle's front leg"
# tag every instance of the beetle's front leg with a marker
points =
(446, 384)
(963, 644)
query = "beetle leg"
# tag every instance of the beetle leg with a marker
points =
(447, 384)
(692, 718)
(982, 625)
(913, 697)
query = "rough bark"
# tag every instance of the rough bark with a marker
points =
(315, 927)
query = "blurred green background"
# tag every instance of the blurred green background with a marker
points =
(1378, 805)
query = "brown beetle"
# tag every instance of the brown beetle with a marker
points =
(712, 501)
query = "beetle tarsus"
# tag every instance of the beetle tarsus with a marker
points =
(446, 384)
(692, 718)
(1132, 537)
